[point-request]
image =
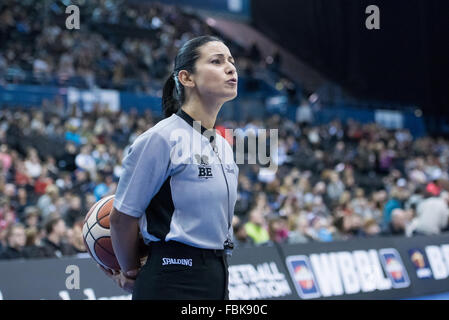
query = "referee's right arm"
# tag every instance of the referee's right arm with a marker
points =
(125, 239)
(145, 168)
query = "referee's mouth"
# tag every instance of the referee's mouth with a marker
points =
(232, 82)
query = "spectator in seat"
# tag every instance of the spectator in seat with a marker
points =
(22, 201)
(55, 244)
(16, 239)
(75, 236)
(278, 229)
(371, 228)
(241, 238)
(67, 160)
(299, 228)
(32, 217)
(47, 202)
(393, 203)
(432, 215)
(335, 187)
(256, 226)
(75, 210)
(398, 224)
(304, 114)
(33, 248)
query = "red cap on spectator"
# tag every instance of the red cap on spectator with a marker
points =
(433, 189)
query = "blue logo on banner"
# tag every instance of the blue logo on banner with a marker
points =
(392, 263)
(303, 277)
(419, 260)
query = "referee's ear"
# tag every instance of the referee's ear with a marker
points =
(186, 79)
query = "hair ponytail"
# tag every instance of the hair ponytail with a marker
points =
(170, 102)
(173, 94)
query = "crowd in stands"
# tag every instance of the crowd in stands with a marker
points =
(119, 46)
(344, 181)
(337, 181)
(55, 162)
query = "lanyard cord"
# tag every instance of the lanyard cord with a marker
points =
(214, 147)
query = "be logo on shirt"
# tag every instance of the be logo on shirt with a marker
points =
(204, 170)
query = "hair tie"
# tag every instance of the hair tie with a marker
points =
(177, 84)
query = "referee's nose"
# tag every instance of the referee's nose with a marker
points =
(230, 69)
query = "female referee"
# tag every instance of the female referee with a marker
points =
(184, 208)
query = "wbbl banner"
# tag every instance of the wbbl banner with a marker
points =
(339, 273)
(378, 268)
(259, 273)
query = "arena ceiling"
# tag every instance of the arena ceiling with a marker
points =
(405, 61)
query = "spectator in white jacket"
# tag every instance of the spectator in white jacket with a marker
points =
(432, 215)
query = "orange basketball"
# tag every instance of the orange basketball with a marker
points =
(97, 234)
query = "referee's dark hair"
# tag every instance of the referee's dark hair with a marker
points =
(173, 92)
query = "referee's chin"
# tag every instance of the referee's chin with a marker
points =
(230, 96)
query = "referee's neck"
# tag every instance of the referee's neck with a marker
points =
(206, 115)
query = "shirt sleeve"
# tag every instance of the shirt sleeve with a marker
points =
(145, 168)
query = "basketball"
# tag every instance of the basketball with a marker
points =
(97, 234)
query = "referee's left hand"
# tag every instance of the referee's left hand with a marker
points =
(126, 280)
(123, 280)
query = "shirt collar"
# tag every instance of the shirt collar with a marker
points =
(181, 113)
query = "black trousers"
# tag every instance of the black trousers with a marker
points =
(175, 271)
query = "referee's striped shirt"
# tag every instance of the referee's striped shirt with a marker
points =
(181, 183)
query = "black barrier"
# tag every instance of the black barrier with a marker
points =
(363, 269)
(55, 279)
(427, 259)
(259, 273)
(377, 268)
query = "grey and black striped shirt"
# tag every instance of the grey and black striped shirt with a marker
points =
(181, 183)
